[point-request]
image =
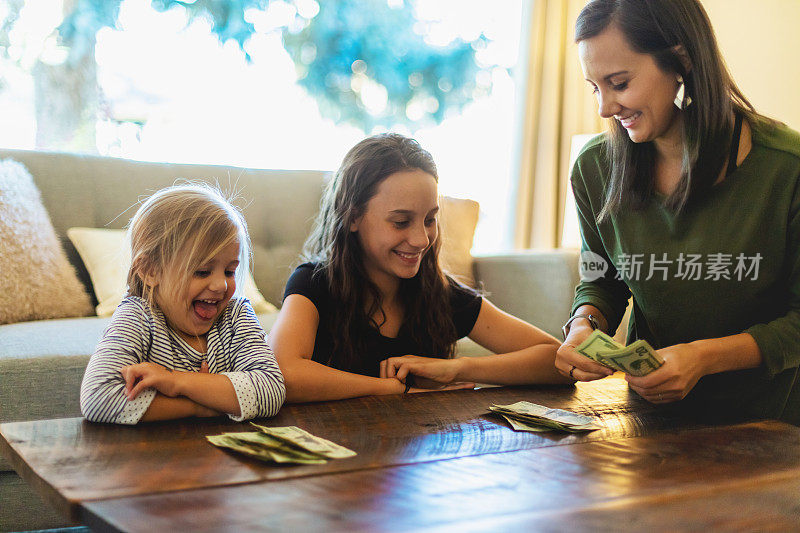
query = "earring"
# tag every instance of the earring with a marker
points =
(681, 101)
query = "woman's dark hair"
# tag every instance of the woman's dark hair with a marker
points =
(425, 297)
(660, 28)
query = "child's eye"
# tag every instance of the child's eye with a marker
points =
(400, 224)
(430, 221)
(230, 273)
(202, 273)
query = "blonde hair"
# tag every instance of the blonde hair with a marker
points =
(178, 229)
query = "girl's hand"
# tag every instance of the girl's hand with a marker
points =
(430, 368)
(146, 375)
(574, 365)
(451, 386)
(678, 375)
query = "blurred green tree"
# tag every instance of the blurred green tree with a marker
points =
(366, 62)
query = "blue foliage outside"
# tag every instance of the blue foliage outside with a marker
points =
(346, 38)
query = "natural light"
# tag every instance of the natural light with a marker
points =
(172, 92)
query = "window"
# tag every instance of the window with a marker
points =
(271, 84)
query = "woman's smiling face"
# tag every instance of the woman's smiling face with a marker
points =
(630, 87)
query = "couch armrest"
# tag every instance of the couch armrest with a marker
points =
(536, 286)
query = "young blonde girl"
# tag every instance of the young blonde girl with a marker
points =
(181, 344)
(373, 307)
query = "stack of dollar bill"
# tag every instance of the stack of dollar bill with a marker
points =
(282, 445)
(527, 416)
(636, 359)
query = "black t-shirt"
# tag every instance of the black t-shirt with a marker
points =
(464, 303)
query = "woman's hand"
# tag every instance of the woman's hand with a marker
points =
(429, 368)
(574, 365)
(681, 370)
(145, 375)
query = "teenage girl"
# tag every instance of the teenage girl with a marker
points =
(372, 306)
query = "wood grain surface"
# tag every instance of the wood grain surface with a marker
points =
(416, 452)
(740, 477)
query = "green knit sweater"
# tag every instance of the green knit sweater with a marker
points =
(727, 265)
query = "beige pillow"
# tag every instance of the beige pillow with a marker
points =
(106, 254)
(458, 220)
(36, 279)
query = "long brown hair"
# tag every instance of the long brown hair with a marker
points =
(660, 28)
(425, 297)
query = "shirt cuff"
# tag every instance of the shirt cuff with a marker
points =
(245, 395)
(135, 409)
(773, 361)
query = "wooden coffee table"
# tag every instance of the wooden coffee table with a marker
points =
(425, 462)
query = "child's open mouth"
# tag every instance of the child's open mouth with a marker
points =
(205, 309)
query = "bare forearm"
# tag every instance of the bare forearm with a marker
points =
(724, 354)
(534, 364)
(309, 381)
(595, 312)
(166, 408)
(214, 391)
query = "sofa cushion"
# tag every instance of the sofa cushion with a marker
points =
(37, 281)
(106, 255)
(458, 219)
(281, 260)
(100, 192)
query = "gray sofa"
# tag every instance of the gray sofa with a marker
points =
(42, 362)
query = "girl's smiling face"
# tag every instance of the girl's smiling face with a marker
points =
(192, 312)
(398, 226)
(630, 87)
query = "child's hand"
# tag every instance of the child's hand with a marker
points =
(429, 372)
(145, 375)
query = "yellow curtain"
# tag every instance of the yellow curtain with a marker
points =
(558, 105)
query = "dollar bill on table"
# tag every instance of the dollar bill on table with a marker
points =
(516, 425)
(636, 359)
(527, 416)
(293, 435)
(286, 445)
(245, 443)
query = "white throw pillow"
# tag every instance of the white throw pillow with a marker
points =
(106, 254)
(458, 220)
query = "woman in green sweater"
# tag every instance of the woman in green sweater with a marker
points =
(691, 204)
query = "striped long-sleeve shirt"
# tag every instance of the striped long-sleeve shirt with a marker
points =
(237, 348)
